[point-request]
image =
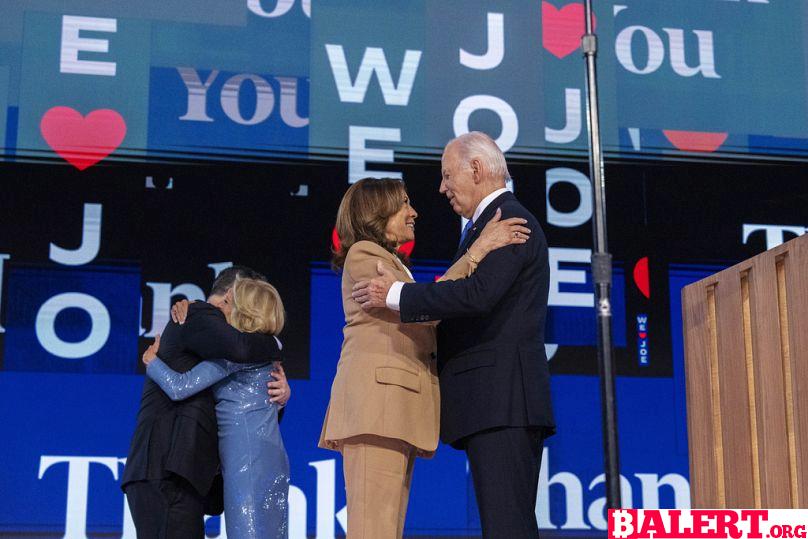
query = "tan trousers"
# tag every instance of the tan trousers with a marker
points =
(378, 473)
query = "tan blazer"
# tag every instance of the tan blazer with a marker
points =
(386, 383)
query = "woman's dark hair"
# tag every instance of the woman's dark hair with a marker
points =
(363, 214)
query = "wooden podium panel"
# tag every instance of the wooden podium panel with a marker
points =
(746, 365)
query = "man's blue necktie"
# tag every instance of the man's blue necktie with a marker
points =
(465, 232)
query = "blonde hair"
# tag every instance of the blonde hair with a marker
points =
(363, 214)
(257, 307)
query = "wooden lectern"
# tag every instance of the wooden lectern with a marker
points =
(746, 363)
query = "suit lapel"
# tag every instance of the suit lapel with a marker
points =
(400, 273)
(482, 220)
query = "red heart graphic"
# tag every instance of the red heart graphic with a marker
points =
(695, 141)
(82, 141)
(336, 243)
(641, 277)
(642, 335)
(562, 29)
(406, 248)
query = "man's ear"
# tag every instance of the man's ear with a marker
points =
(476, 170)
(228, 296)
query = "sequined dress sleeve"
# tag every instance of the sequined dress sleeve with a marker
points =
(179, 386)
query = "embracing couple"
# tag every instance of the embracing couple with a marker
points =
(494, 398)
(207, 434)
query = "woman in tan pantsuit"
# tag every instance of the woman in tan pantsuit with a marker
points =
(385, 404)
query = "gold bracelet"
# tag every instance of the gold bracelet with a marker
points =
(471, 257)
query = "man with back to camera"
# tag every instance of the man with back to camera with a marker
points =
(171, 476)
(494, 379)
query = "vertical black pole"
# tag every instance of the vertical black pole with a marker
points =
(601, 271)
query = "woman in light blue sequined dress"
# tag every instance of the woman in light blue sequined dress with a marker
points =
(255, 467)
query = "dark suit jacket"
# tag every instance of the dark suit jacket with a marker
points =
(181, 437)
(491, 357)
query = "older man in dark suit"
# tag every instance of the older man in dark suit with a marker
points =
(494, 380)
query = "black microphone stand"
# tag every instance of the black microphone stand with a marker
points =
(601, 271)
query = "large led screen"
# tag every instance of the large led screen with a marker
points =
(85, 81)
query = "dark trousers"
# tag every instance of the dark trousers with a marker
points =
(166, 509)
(504, 465)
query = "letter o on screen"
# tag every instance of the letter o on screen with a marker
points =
(656, 49)
(46, 321)
(264, 99)
(510, 123)
(579, 181)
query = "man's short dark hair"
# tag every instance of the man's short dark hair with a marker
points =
(227, 277)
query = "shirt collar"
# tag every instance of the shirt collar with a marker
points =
(486, 201)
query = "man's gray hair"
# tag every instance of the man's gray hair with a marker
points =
(477, 144)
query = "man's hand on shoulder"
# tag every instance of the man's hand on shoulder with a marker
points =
(372, 294)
